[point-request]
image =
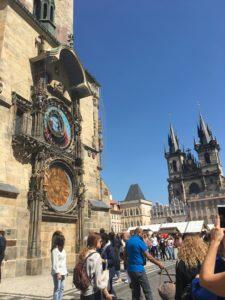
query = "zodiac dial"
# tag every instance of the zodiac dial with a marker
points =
(59, 188)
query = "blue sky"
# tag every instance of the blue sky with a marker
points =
(153, 59)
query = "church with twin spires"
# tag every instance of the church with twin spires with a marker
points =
(195, 186)
(189, 176)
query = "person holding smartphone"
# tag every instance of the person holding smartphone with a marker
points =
(215, 283)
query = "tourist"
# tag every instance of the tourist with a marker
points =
(117, 245)
(137, 253)
(125, 238)
(59, 270)
(162, 248)
(208, 279)
(98, 277)
(177, 243)
(170, 248)
(191, 255)
(2, 249)
(109, 256)
(155, 244)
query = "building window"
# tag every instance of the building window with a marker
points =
(37, 9)
(131, 212)
(52, 14)
(207, 158)
(45, 11)
(174, 165)
(194, 188)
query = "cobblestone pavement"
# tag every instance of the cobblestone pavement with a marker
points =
(40, 287)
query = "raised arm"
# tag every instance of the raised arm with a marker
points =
(213, 282)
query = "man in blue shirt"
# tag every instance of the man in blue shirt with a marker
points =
(136, 255)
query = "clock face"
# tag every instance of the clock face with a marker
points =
(59, 188)
(57, 129)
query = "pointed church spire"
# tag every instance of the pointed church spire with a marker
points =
(204, 133)
(173, 141)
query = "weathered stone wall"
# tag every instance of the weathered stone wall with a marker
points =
(3, 12)
(91, 160)
(28, 4)
(92, 178)
(15, 72)
(15, 56)
(63, 19)
(17, 46)
(69, 231)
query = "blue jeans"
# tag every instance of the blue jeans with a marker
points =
(58, 287)
(170, 251)
(140, 280)
(112, 273)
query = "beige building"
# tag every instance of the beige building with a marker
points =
(51, 138)
(115, 216)
(135, 208)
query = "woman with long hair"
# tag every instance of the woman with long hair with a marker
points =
(59, 270)
(191, 256)
(94, 265)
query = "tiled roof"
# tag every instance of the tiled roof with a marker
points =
(134, 193)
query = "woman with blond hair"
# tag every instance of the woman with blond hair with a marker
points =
(191, 256)
(94, 269)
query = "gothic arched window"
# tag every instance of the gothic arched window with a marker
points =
(45, 11)
(174, 165)
(52, 14)
(207, 158)
(194, 188)
(37, 9)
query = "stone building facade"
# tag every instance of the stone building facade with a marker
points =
(51, 136)
(199, 183)
(177, 211)
(135, 208)
(115, 216)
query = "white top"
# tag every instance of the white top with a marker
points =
(59, 262)
(154, 241)
(99, 278)
(170, 243)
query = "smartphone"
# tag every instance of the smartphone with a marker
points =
(221, 213)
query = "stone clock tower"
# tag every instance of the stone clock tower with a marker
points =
(51, 137)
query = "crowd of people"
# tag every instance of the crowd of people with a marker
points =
(200, 266)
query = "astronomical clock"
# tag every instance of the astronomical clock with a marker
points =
(48, 137)
(60, 132)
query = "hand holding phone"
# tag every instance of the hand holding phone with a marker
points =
(221, 213)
